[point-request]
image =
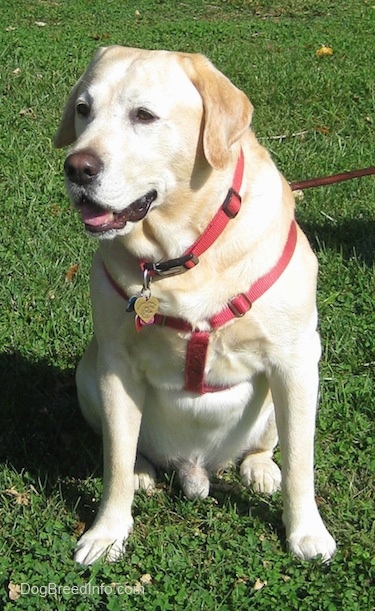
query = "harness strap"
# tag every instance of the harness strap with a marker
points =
(239, 305)
(196, 353)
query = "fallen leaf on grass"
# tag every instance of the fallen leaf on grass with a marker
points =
(21, 498)
(323, 130)
(55, 209)
(96, 36)
(239, 580)
(286, 578)
(71, 273)
(298, 195)
(323, 51)
(144, 580)
(27, 112)
(14, 591)
(258, 585)
(79, 528)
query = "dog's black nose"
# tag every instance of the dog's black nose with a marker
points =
(82, 167)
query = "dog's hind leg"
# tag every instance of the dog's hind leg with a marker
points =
(261, 472)
(144, 474)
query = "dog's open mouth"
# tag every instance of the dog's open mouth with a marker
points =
(98, 220)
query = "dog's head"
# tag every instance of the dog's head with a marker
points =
(140, 123)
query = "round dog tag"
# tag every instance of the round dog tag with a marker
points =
(146, 308)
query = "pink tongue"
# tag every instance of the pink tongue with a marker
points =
(95, 218)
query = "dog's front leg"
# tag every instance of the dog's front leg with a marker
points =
(295, 392)
(120, 418)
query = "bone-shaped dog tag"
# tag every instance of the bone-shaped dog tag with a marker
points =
(146, 308)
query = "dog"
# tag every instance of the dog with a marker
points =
(205, 349)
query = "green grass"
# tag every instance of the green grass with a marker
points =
(227, 552)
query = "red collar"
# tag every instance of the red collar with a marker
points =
(237, 307)
(226, 212)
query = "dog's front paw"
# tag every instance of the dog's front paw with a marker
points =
(101, 541)
(310, 545)
(260, 472)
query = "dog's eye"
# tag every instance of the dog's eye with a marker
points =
(142, 115)
(83, 109)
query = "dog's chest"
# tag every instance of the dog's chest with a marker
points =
(164, 355)
(233, 356)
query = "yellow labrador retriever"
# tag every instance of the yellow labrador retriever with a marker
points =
(203, 292)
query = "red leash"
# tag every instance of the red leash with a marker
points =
(330, 180)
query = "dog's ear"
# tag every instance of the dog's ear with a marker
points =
(66, 133)
(227, 110)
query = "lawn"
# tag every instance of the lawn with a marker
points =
(316, 115)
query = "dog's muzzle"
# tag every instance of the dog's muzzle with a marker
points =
(82, 169)
(98, 219)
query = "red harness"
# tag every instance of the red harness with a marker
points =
(237, 307)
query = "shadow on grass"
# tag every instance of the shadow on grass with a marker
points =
(353, 238)
(267, 509)
(43, 431)
(44, 434)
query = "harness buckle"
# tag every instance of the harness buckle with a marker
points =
(239, 305)
(232, 203)
(174, 267)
